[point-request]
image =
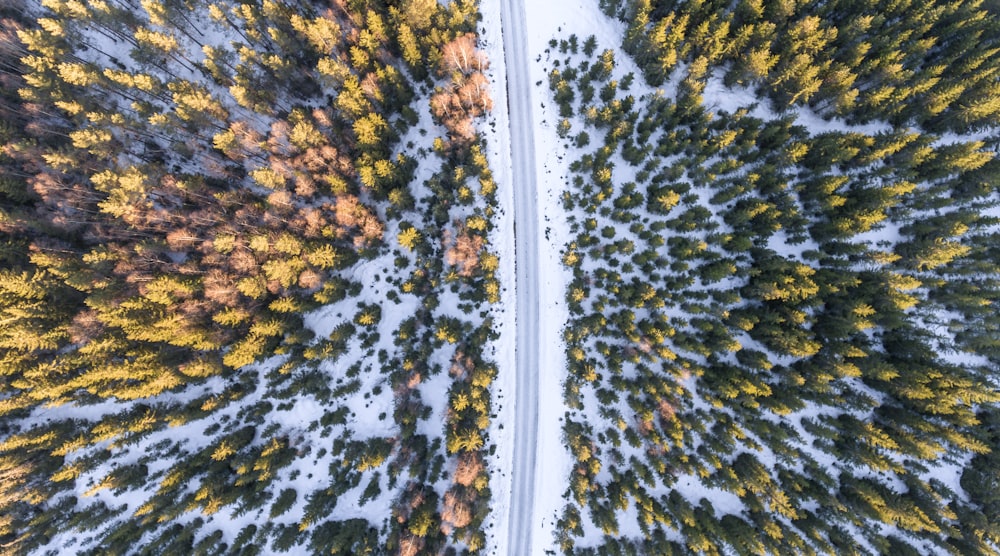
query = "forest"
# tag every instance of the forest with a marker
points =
(240, 248)
(782, 272)
(249, 285)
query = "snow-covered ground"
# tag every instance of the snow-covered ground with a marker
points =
(528, 393)
(559, 19)
(552, 462)
(361, 382)
(498, 152)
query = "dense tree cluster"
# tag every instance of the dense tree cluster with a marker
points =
(467, 95)
(184, 182)
(779, 338)
(930, 63)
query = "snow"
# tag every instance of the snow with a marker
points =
(544, 21)
(432, 389)
(717, 95)
(370, 412)
(558, 20)
(370, 416)
(554, 155)
(498, 153)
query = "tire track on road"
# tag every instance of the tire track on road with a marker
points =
(521, 524)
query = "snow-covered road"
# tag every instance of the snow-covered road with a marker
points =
(521, 523)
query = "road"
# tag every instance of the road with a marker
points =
(521, 522)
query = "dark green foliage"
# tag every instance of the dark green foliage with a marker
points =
(929, 64)
(203, 184)
(704, 329)
(354, 536)
(283, 502)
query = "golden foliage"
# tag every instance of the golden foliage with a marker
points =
(464, 251)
